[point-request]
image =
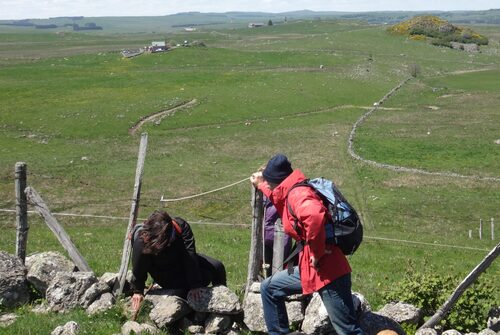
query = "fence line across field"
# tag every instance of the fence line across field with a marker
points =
(248, 226)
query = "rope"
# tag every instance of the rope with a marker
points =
(204, 193)
(396, 168)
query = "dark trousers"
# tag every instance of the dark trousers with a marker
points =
(213, 271)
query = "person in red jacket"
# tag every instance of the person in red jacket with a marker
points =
(322, 268)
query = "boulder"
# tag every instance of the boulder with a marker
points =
(426, 331)
(93, 293)
(109, 278)
(70, 328)
(134, 328)
(487, 331)
(217, 323)
(13, 287)
(196, 329)
(7, 319)
(217, 299)
(43, 267)
(361, 305)
(41, 308)
(295, 310)
(494, 319)
(373, 323)
(451, 332)
(316, 320)
(67, 289)
(402, 313)
(102, 304)
(167, 309)
(253, 313)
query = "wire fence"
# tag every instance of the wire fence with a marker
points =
(227, 224)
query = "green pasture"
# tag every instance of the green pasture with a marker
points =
(68, 102)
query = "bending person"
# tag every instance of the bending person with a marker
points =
(165, 249)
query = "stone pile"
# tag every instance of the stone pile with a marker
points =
(210, 310)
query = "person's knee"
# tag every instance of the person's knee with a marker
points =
(264, 286)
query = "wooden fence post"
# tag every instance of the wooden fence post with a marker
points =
(134, 210)
(21, 211)
(42, 209)
(492, 229)
(480, 229)
(471, 277)
(255, 256)
(278, 247)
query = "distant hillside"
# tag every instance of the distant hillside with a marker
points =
(438, 30)
(176, 22)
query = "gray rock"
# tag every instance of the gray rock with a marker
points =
(93, 293)
(102, 304)
(218, 299)
(70, 328)
(67, 288)
(316, 320)
(295, 311)
(42, 308)
(13, 288)
(494, 319)
(217, 323)
(157, 294)
(43, 267)
(470, 334)
(426, 331)
(132, 327)
(253, 313)
(372, 323)
(451, 332)
(195, 329)
(7, 319)
(402, 313)
(109, 278)
(168, 309)
(468, 47)
(361, 305)
(255, 287)
(487, 331)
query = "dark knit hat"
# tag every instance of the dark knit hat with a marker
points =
(277, 169)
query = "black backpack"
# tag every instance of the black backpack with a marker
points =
(343, 227)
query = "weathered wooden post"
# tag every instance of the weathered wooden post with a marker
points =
(492, 229)
(42, 209)
(278, 247)
(471, 277)
(21, 211)
(255, 256)
(134, 210)
(480, 229)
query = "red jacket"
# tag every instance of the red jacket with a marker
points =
(309, 209)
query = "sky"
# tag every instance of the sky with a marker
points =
(23, 9)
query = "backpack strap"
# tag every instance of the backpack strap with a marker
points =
(176, 226)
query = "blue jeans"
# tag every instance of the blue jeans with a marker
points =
(336, 297)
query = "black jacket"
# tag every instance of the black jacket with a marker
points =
(175, 267)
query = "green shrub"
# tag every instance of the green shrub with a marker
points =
(429, 290)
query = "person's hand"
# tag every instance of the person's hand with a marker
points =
(256, 178)
(314, 262)
(137, 298)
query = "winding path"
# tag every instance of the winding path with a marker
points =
(132, 130)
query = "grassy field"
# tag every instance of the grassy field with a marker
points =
(68, 101)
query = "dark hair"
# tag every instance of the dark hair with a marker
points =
(156, 232)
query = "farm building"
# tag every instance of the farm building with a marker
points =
(255, 25)
(158, 46)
